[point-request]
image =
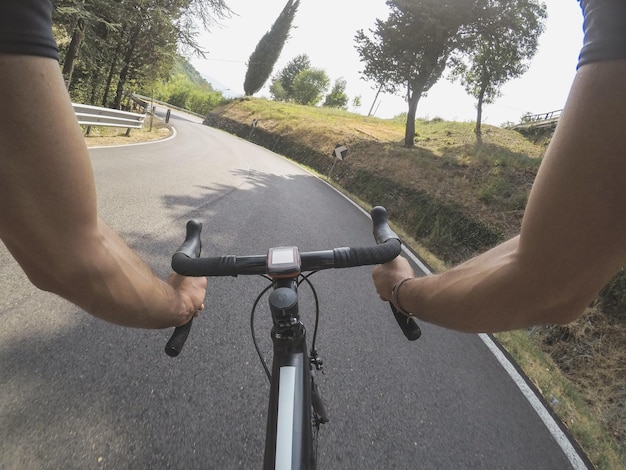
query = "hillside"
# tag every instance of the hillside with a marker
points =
(486, 187)
(455, 200)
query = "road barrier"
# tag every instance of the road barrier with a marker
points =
(105, 117)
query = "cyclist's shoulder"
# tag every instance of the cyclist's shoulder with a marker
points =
(605, 30)
(26, 28)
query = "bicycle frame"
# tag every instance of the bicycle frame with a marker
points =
(289, 432)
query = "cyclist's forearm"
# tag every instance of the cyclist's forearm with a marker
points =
(495, 291)
(470, 297)
(48, 213)
(98, 272)
(111, 282)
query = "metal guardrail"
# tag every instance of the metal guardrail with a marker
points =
(95, 116)
(539, 121)
(544, 116)
(148, 100)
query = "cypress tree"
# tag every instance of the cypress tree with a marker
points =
(267, 51)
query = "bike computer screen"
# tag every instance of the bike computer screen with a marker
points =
(283, 261)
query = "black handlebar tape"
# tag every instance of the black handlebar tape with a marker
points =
(191, 248)
(408, 325)
(367, 256)
(382, 231)
(215, 266)
(175, 345)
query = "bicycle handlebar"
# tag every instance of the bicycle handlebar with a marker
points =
(186, 261)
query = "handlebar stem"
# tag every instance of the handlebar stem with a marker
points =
(283, 303)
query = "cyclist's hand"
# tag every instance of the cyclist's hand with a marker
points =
(192, 291)
(387, 275)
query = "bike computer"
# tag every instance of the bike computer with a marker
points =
(283, 261)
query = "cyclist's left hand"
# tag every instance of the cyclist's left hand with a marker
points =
(192, 291)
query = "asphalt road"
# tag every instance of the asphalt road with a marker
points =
(77, 393)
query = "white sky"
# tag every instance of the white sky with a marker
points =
(325, 30)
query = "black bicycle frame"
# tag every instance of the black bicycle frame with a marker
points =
(289, 431)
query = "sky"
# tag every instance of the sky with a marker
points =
(325, 30)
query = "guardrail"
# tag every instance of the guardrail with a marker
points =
(539, 121)
(544, 116)
(95, 116)
(148, 100)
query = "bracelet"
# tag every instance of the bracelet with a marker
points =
(394, 297)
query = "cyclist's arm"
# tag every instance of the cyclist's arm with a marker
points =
(573, 236)
(48, 215)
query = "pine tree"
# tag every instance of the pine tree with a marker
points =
(267, 51)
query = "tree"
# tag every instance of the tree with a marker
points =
(115, 44)
(309, 86)
(78, 18)
(498, 50)
(410, 50)
(337, 97)
(277, 91)
(282, 85)
(300, 83)
(193, 13)
(267, 51)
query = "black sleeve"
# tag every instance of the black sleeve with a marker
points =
(26, 28)
(605, 30)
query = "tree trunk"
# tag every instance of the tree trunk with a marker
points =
(479, 117)
(124, 72)
(415, 93)
(120, 87)
(107, 88)
(72, 52)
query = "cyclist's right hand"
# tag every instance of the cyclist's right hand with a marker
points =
(387, 275)
(191, 291)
